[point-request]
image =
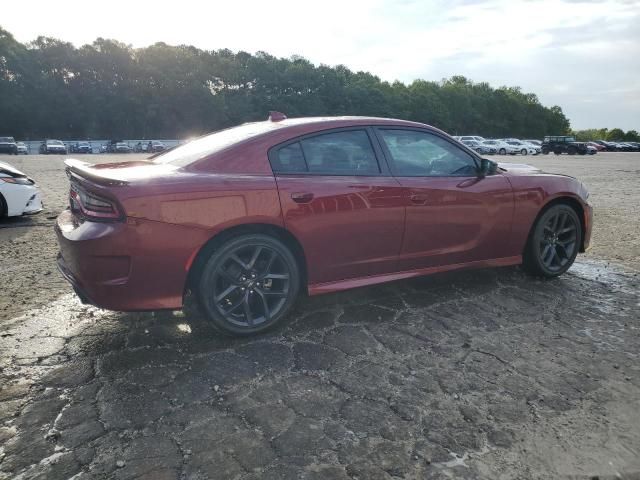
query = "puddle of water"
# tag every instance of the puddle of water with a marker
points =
(600, 271)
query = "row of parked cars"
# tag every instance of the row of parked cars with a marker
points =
(116, 146)
(51, 146)
(602, 145)
(557, 144)
(501, 146)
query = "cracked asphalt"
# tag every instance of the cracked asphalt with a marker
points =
(482, 374)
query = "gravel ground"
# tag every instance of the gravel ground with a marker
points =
(485, 374)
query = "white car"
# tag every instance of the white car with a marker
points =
(471, 137)
(523, 147)
(19, 195)
(22, 148)
(502, 147)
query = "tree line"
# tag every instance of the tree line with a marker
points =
(50, 88)
(613, 135)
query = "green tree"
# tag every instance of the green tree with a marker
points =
(615, 135)
(107, 89)
(632, 136)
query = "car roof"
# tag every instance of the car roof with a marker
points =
(331, 122)
(261, 136)
(293, 127)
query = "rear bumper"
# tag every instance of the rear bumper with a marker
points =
(124, 266)
(75, 283)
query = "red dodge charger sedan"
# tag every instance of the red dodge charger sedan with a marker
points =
(248, 217)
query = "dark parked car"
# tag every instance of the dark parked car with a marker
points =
(53, 147)
(625, 147)
(117, 146)
(563, 144)
(157, 147)
(122, 147)
(247, 217)
(8, 145)
(81, 147)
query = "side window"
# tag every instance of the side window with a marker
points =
(337, 153)
(289, 159)
(340, 153)
(422, 154)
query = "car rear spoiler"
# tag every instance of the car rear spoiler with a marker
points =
(85, 170)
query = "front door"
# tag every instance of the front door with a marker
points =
(453, 215)
(341, 204)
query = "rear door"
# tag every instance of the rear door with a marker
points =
(340, 201)
(453, 216)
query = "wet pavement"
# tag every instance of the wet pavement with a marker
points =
(487, 374)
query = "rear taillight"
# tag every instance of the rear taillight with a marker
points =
(93, 206)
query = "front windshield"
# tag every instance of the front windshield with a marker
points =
(55, 142)
(204, 146)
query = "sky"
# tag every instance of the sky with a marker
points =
(583, 55)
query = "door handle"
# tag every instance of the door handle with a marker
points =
(418, 199)
(302, 197)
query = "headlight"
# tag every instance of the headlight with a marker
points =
(17, 180)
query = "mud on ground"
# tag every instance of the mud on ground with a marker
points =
(486, 374)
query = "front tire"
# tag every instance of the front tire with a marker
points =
(553, 243)
(249, 284)
(523, 151)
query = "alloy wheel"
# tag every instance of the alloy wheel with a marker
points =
(558, 241)
(251, 285)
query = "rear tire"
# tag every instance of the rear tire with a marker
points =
(502, 151)
(554, 242)
(3, 207)
(248, 285)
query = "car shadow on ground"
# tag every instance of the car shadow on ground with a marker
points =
(416, 378)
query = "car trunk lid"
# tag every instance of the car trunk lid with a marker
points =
(118, 173)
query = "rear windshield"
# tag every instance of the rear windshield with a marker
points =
(204, 146)
(6, 139)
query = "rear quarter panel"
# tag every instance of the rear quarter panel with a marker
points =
(170, 221)
(206, 201)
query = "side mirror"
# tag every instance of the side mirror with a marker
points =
(487, 167)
